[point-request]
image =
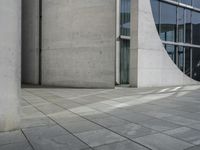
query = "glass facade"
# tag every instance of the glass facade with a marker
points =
(178, 25)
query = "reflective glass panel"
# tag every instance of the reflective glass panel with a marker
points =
(155, 9)
(188, 2)
(188, 26)
(187, 61)
(196, 3)
(196, 64)
(125, 17)
(196, 28)
(180, 22)
(168, 22)
(181, 58)
(171, 50)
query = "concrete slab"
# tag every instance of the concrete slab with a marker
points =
(126, 145)
(190, 135)
(99, 137)
(162, 142)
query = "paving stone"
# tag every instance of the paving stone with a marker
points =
(65, 116)
(81, 126)
(135, 117)
(180, 120)
(53, 138)
(126, 145)
(49, 108)
(35, 122)
(11, 137)
(158, 124)
(186, 134)
(110, 121)
(132, 131)
(195, 126)
(162, 142)
(99, 137)
(156, 114)
(16, 146)
(30, 112)
(194, 148)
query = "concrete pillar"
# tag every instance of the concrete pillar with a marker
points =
(10, 45)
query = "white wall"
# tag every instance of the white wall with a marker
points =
(78, 43)
(10, 54)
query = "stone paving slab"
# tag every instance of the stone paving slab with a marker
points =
(162, 142)
(100, 137)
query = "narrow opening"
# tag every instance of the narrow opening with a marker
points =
(31, 42)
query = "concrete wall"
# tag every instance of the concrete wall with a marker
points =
(78, 43)
(150, 64)
(10, 54)
(30, 41)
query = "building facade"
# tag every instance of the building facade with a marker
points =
(96, 44)
(57, 52)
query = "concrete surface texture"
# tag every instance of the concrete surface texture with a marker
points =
(30, 41)
(10, 54)
(150, 64)
(102, 119)
(78, 43)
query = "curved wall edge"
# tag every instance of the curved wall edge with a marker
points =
(150, 64)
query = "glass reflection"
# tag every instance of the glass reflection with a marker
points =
(168, 22)
(196, 64)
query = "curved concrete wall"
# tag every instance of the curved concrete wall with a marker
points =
(78, 43)
(10, 54)
(150, 64)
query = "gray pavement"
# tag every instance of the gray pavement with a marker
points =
(165, 118)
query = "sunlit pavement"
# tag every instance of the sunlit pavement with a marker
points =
(107, 119)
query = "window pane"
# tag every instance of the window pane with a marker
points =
(155, 10)
(196, 3)
(188, 2)
(188, 26)
(125, 17)
(171, 50)
(180, 21)
(181, 58)
(196, 28)
(168, 22)
(196, 64)
(187, 61)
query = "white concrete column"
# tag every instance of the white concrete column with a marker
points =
(10, 52)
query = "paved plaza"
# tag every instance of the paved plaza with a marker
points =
(107, 119)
